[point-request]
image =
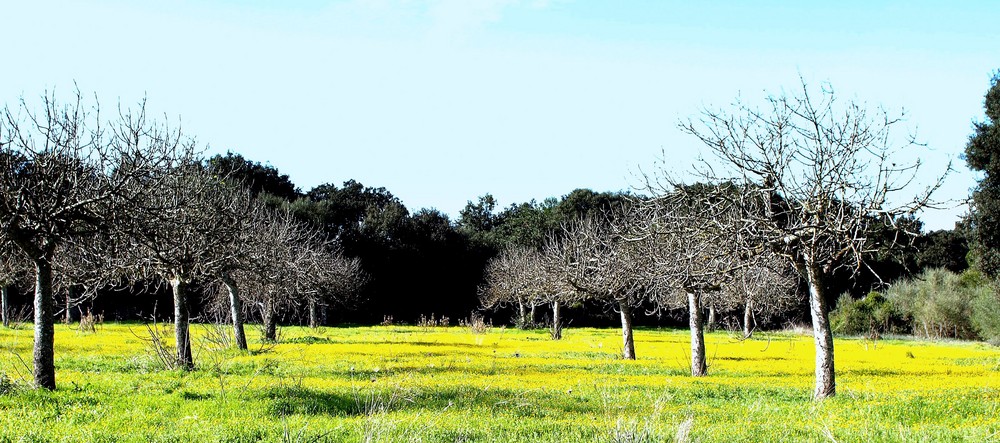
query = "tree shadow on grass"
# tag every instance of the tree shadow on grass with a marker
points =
(298, 400)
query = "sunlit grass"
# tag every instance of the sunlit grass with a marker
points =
(447, 384)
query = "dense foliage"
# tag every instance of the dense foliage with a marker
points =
(983, 155)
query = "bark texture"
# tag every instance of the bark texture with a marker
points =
(313, 314)
(236, 312)
(270, 322)
(628, 343)
(826, 385)
(522, 314)
(45, 370)
(5, 305)
(748, 320)
(68, 317)
(556, 321)
(182, 333)
(699, 368)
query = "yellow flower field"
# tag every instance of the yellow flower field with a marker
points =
(398, 383)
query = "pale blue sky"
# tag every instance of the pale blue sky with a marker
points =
(441, 101)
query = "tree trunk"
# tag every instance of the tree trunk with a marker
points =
(826, 385)
(556, 321)
(313, 314)
(747, 319)
(628, 343)
(236, 312)
(45, 369)
(697, 322)
(710, 323)
(522, 315)
(531, 315)
(270, 323)
(182, 333)
(68, 317)
(5, 305)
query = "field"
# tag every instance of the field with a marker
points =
(405, 383)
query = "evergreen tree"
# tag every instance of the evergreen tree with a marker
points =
(983, 154)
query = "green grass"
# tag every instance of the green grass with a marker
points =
(448, 384)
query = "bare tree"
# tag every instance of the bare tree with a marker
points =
(691, 258)
(241, 255)
(327, 277)
(767, 287)
(63, 176)
(295, 266)
(188, 228)
(527, 277)
(598, 258)
(817, 177)
(510, 280)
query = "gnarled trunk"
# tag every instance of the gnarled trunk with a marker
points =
(826, 385)
(182, 333)
(45, 369)
(5, 305)
(270, 322)
(628, 343)
(522, 314)
(748, 320)
(556, 321)
(236, 312)
(697, 323)
(313, 314)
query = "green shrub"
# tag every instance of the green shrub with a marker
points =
(942, 304)
(986, 316)
(871, 316)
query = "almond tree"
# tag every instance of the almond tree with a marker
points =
(66, 173)
(598, 258)
(509, 280)
(327, 276)
(818, 176)
(524, 275)
(187, 229)
(294, 265)
(766, 287)
(690, 263)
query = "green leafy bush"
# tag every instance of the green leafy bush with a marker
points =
(942, 304)
(871, 316)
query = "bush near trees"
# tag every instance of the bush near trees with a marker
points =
(942, 304)
(871, 316)
(937, 303)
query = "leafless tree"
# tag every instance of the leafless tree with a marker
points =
(242, 255)
(187, 229)
(690, 259)
(327, 277)
(66, 173)
(598, 258)
(509, 280)
(767, 288)
(528, 277)
(294, 266)
(817, 176)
